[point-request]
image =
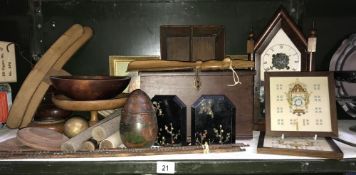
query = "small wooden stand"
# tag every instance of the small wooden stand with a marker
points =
(94, 106)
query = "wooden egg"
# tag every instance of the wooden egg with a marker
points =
(138, 125)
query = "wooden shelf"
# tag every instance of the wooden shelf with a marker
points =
(181, 166)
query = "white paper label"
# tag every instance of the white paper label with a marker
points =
(166, 167)
(7, 62)
(311, 44)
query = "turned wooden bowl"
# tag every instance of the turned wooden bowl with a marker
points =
(86, 88)
(50, 113)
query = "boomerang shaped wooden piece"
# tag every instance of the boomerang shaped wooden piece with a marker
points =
(36, 83)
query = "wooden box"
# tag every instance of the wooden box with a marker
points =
(181, 84)
(192, 43)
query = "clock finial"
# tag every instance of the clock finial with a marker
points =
(250, 45)
(312, 47)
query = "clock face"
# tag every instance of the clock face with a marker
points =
(298, 101)
(280, 55)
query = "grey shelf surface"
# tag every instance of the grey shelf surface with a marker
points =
(181, 166)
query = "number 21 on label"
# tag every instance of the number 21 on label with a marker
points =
(166, 167)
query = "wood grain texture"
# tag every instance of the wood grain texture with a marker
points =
(41, 138)
(14, 144)
(56, 70)
(40, 70)
(66, 103)
(161, 65)
(192, 42)
(212, 83)
(124, 152)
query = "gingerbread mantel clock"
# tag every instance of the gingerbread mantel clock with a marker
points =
(281, 47)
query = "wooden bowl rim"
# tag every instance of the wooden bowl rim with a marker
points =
(89, 77)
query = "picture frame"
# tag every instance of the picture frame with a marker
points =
(118, 63)
(8, 71)
(118, 66)
(300, 104)
(322, 147)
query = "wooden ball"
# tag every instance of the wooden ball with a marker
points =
(74, 126)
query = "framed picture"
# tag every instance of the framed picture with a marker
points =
(300, 104)
(118, 66)
(323, 147)
(237, 57)
(7, 62)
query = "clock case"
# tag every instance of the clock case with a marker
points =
(281, 20)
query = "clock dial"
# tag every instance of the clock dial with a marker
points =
(298, 101)
(280, 55)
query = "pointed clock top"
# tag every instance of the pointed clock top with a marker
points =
(282, 20)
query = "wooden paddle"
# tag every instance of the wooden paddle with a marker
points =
(161, 65)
